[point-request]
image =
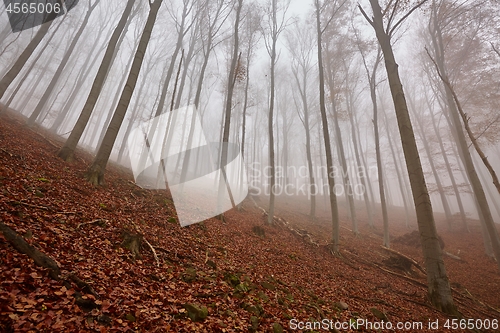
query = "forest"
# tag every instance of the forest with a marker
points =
(250, 165)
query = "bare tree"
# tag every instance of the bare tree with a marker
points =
(439, 290)
(95, 173)
(300, 42)
(372, 82)
(438, 57)
(26, 54)
(231, 81)
(55, 78)
(275, 27)
(329, 9)
(69, 147)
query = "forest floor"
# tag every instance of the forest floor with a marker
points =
(239, 275)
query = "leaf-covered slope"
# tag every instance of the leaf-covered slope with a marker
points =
(211, 277)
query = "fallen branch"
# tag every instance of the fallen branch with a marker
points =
(482, 303)
(414, 262)
(87, 288)
(403, 276)
(5, 151)
(38, 257)
(452, 256)
(67, 213)
(99, 222)
(13, 202)
(152, 250)
(390, 272)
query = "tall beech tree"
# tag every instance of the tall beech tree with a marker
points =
(327, 10)
(459, 122)
(275, 27)
(69, 147)
(95, 173)
(7, 79)
(439, 290)
(55, 78)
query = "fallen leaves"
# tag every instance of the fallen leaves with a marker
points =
(223, 270)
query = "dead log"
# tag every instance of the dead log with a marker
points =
(411, 260)
(38, 257)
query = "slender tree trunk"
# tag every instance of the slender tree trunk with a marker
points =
(69, 147)
(450, 171)
(39, 79)
(50, 88)
(95, 174)
(229, 103)
(26, 54)
(326, 136)
(362, 171)
(313, 188)
(398, 172)
(437, 280)
(84, 72)
(345, 170)
(29, 70)
(436, 37)
(114, 103)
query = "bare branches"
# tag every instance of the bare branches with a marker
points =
(365, 15)
(495, 49)
(405, 17)
(466, 125)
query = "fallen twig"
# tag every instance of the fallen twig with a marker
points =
(5, 151)
(152, 250)
(14, 202)
(482, 303)
(99, 222)
(452, 256)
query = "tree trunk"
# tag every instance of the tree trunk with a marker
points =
(95, 174)
(437, 280)
(450, 171)
(477, 187)
(26, 54)
(437, 178)
(84, 72)
(50, 88)
(326, 136)
(229, 104)
(69, 147)
(362, 171)
(29, 70)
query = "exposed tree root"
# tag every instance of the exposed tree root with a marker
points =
(45, 261)
(22, 246)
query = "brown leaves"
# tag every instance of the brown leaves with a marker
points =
(275, 277)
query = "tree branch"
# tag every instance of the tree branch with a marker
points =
(365, 15)
(480, 152)
(405, 17)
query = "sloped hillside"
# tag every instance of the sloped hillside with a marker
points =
(233, 276)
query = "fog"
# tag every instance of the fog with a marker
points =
(471, 60)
